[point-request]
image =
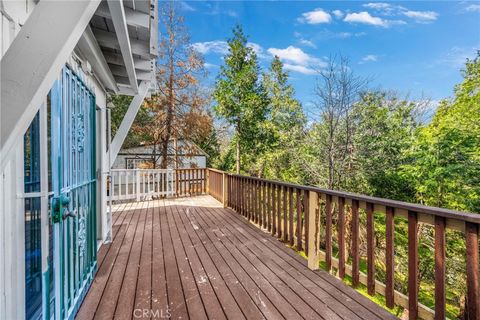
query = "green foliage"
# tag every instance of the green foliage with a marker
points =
(285, 125)
(120, 106)
(378, 146)
(445, 158)
(384, 128)
(240, 97)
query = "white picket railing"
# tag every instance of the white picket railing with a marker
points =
(141, 184)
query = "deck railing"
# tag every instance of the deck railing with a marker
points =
(303, 217)
(143, 184)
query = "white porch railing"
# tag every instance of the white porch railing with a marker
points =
(141, 184)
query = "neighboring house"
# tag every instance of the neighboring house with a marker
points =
(189, 155)
(59, 62)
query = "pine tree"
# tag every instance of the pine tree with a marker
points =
(240, 97)
(285, 125)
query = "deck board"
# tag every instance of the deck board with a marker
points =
(192, 259)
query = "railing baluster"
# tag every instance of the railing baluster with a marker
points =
(412, 266)
(370, 250)
(257, 212)
(306, 217)
(274, 215)
(242, 196)
(440, 244)
(355, 245)
(389, 290)
(285, 214)
(264, 201)
(279, 212)
(259, 205)
(341, 237)
(299, 221)
(290, 215)
(269, 206)
(473, 303)
(328, 232)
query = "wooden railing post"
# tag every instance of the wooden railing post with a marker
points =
(137, 177)
(313, 255)
(225, 190)
(473, 301)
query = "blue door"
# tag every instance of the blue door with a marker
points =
(73, 204)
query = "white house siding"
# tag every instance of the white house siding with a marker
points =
(195, 158)
(13, 16)
(12, 221)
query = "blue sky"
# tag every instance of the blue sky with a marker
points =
(416, 48)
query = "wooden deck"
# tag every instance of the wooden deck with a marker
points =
(189, 258)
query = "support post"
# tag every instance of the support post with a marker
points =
(225, 190)
(137, 181)
(313, 256)
(128, 120)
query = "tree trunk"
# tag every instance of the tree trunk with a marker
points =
(171, 94)
(175, 146)
(154, 164)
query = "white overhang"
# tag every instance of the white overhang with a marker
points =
(125, 34)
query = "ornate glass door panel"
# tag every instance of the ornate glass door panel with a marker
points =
(74, 187)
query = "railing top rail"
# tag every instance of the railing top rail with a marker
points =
(143, 170)
(216, 170)
(446, 213)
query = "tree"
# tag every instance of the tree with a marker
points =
(444, 168)
(136, 135)
(180, 95)
(383, 129)
(239, 95)
(285, 124)
(445, 159)
(178, 110)
(329, 147)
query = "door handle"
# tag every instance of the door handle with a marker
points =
(69, 214)
(59, 205)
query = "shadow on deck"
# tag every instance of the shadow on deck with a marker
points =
(189, 258)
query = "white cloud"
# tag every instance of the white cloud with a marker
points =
(421, 16)
(232, 13)
(300, 69)
(209, 65)
(216, 46)
(186, 7)
(295, 59)
(377, 5)
(457, 56)
(473, 8)
(384, 8)
(307, 43)
(258, 49)
(316, 16)
(365, 18)
(369, 58)
(338, 13)
(293, 54)
(221, 47)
